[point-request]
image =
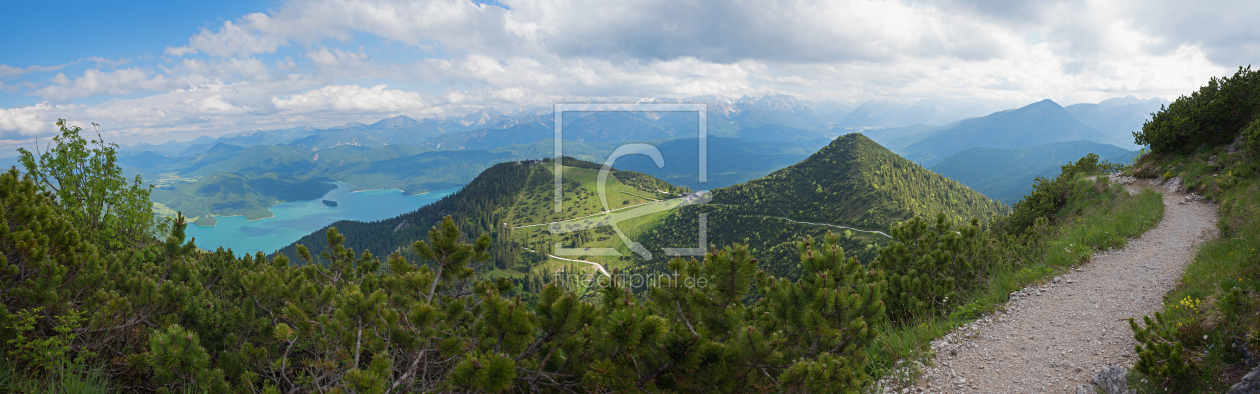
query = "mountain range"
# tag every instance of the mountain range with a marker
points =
(1035, 124)
(749, 137)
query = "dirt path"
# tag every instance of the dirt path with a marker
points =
(825, 224)
(1053, 338)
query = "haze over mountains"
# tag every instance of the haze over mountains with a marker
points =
(748, 137)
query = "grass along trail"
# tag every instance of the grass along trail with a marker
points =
(1053, 338)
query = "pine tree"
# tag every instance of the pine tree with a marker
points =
(928, 266)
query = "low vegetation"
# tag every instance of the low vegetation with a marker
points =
(1208, 335)
(157, 314)
(1065, 221)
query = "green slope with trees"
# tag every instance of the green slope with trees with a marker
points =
(515, 194)
(852, 182)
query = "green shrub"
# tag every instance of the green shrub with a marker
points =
(1212, 115)
(87, 183)
(928, 266)
(1049, 196)
(1251, 136)
(1160, 354)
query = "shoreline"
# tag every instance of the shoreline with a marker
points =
(368, 190)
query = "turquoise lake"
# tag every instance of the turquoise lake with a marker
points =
(293, 220)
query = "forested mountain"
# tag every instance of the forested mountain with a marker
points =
(513, 193)
(855, 181)
(1032, 125)
(466, 306)
(1008, 174)
(851, 182)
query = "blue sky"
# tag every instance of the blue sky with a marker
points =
(155, 71)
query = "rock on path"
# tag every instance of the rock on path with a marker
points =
(1053, 338)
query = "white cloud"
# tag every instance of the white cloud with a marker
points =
(30, 120)
(109, 62)
(10, 71)
(305, 62)
(93, 82)
(350, 98)
(230, 40)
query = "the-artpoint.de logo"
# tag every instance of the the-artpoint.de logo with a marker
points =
(610, 217)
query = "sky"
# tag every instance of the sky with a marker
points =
(149, 71)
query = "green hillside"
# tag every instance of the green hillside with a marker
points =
(516, 194)
(853, 182)
(119, 288)
(1007, 174)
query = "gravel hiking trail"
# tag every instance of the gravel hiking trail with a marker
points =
(1053, 338)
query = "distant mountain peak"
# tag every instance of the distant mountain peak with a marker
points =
(1042, 103)
(394, 122)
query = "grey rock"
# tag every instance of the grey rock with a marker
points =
(401, 226)
(1113, 379)
(1249, 383)
(1234, 146)
(1083, 389)
(1173, 185)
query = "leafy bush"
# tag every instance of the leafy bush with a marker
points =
(89, 184)
(1213, 115)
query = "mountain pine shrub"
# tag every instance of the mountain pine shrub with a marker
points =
(1160, 354)
(1251, 135)
(1212, 115)
(928, 266)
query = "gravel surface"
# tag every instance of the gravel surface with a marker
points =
(1055, 337)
